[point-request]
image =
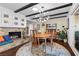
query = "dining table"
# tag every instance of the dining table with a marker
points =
(44, 36)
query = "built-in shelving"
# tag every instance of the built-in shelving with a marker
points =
(10, 19)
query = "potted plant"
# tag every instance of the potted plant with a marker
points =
(63, 34)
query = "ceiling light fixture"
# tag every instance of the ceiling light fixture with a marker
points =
(42, 14)
(35, 9)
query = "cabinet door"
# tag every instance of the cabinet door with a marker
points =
(22, 21)
(16, 20)
(7, 17)
(10, 19)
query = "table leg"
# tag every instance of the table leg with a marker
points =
(38, 42)
(45, 45)
(51, 44)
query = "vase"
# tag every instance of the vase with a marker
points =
(65, 40)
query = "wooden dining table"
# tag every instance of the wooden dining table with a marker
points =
(44, 36)
(41, 36)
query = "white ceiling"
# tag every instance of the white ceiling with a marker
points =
(38, 6)
(15, 6)
(53, 12)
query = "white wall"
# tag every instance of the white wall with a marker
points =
(59, 21)
(11, 19)
(71, 31)
(31, 25)
(77, 23)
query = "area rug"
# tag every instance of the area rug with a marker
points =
(49, 50)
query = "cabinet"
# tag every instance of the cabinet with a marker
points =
(16, 20)
(22, 21)
(51, 29)
(19, 20)
(51, 26)
(10, 19)
(6, 17)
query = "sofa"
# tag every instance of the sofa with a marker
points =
(5, 40)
